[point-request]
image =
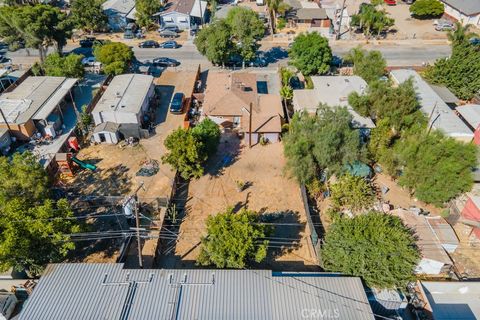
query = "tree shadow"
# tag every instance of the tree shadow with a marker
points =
(227, 153)
(164, 96)
(112, 181)
(275, 54)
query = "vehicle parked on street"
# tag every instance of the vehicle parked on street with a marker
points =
(168, 34)
(165, 62)
(474, 41)
(168, 45)
(444, 26)
(148, 44)
(390, 2)
(176, 105)
(88, 61)
(87, 42)
(169, 28)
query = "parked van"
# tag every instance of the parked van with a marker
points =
(260, 2)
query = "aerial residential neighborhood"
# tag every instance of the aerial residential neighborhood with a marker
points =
(236, 159)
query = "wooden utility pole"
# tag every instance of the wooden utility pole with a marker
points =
(340, 22)
(137, 226)
(5, 120)
(250, 127)
(430, 122)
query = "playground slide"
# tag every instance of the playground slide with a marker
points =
(84, 165)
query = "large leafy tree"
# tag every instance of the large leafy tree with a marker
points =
(436, 168)
(427, 9)
(352, 193)
(189, 149)
(115, 57)
(215, 42)
(34, 230)
(461, 72)
(377, 247)
(145, 10)
(311, 54)
(40, 26)
(322, 141)
(233, 240)
(246, 29)
(68, 66)
(371, 20)
(368, 65)
(88, 15)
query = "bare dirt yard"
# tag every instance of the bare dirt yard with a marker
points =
(408, 27)
(267, 191)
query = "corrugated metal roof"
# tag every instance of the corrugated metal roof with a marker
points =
(55, 99)
(443, 117)
(125, 93)
(468, 7)
(75, 291)
(471, 114)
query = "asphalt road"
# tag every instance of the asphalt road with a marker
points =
(396, 55)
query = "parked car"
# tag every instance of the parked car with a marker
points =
(336, 61)
(148, 44)
(169, 28)
(168, 45)
(444, 26)
(390, 2)
(259, 62)
(234, 61)
(176, 105)
(475, 41)
(168, 34)
(87, 42)
(5, 60)
(128, 35)
(88, 61)
(165, 62)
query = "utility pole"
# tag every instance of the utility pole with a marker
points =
(5, 120)
(137, 225)
(430, 122)
(250, 127)
(337, 37)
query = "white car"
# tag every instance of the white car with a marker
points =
(89, 61)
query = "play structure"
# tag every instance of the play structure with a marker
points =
(67, 164)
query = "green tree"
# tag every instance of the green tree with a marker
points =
(323, 141)
(274, 7)
(145, 10)
(86, 119)
(460, 34)
(40, 26)
(246, 29)
(436, 168)
(233, 240)
(208, 133)
(115, 57)
(371, 20)
(186, 153)
(34, 230)
(377, 247)
(352, 193)
(68, 66)
(424, 9)
(311, 54)
(88, 15)
(368, 65)
(215, 42)
(461, 71)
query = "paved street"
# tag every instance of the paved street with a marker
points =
(396, 54)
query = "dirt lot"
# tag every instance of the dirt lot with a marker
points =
(408, 27)
(267, 191)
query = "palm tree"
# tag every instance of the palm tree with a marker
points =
(275, 6)
(460, 34)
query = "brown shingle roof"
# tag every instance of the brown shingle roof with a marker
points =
(230, 94)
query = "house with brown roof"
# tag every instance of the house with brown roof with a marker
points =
(182, 13)
(232, 100)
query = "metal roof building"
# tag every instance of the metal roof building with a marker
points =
(108, 291)
(443, 118)
(471, 114)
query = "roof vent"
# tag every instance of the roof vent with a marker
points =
(112, 106)
(118, 94)
(123, 106)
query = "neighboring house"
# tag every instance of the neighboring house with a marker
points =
(182, 13)
(435, 239)
(447, 300)
(121, 110)
(8, 301)
(441, 116)
(77, 291)
(470, 113)
(332, 91)
(228, 97)
(464, 11)
(309, 16)
(5, 140)
(8, 78)
(470, 214)
(37, 104)
(119, 13)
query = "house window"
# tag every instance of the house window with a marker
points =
(182, 20)
(236, 121)
(167, 19)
